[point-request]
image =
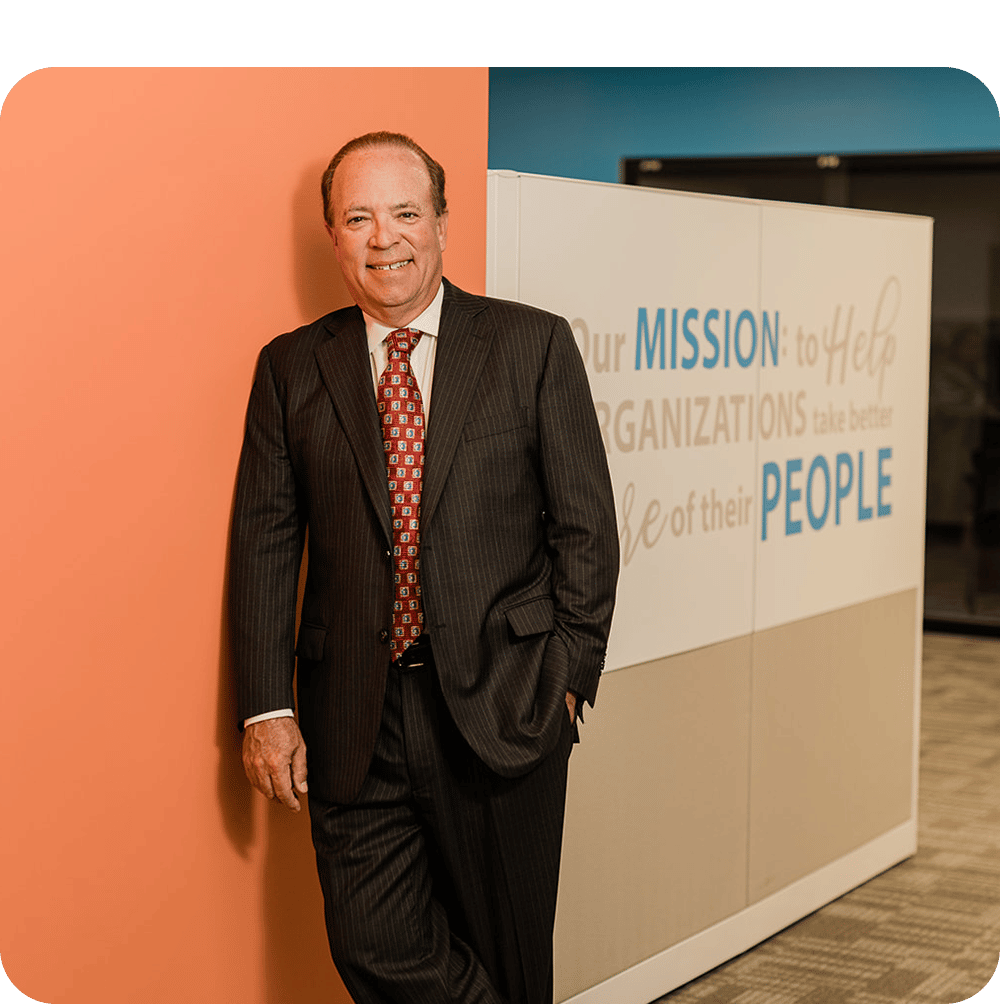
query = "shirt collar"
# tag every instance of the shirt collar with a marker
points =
(428, 322)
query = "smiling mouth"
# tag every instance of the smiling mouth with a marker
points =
(392, 267)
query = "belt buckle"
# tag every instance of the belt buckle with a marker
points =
(416, 656)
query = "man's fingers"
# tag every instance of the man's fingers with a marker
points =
(299, 768)
(274, 756)
(258, 775)
(263, 785)
(283, 790)
(275, 785)
(273, 780)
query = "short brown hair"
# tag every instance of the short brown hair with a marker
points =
(372, 140)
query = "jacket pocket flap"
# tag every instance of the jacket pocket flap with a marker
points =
(312, 640)
(533, 617)
(493, 425)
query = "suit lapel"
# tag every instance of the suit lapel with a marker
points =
(464, 343)
(345, 366)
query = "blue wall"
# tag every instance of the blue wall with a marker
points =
(578, 122)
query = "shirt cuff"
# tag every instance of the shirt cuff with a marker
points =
(283, 713)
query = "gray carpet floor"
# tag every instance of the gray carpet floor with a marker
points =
(928, 930)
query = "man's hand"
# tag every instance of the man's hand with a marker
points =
(571, 705)
(274, 757)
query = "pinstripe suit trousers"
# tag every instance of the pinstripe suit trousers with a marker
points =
(440, 879)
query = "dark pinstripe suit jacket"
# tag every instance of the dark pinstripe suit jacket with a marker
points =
(519, 555)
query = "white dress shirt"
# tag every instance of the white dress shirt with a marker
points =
(422, 367)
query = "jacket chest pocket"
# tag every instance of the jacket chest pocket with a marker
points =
(494, 425)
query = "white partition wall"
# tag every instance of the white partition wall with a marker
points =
(759, 372)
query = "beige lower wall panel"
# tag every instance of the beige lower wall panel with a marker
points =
(656, 827)
(832, 737)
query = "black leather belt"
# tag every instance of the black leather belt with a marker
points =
(416, 656)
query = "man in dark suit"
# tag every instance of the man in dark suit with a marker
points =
(443, 452)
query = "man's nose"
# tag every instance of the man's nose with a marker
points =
(383, 232)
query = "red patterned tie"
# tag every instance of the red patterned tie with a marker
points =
(402, 413)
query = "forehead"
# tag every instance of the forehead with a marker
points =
(380, 177)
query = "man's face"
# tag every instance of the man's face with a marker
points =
(386, 235)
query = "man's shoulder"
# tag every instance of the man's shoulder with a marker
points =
(302, 341)
(504, 310)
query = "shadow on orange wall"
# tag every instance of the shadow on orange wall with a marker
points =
(296, 961)
(235, 794)
(318, 282)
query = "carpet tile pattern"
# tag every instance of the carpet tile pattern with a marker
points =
(928, 930)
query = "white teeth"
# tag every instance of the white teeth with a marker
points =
(386, 268)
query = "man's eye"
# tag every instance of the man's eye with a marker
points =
(355, 219)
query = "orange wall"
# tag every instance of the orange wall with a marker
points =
(158, 226)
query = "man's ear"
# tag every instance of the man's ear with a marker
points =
(331, 233)
(442, 226)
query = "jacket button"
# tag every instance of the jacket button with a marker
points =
(383, 636)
